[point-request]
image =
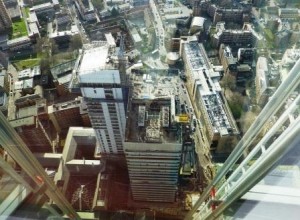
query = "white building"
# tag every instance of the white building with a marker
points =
(100, 84)
(197, 24)
(205, 92)
(263, 88)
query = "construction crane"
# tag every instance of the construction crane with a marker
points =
(122, 61)
(227, 187)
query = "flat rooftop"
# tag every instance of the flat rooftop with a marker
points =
(97, 63)
(208, 87)
(64, 106)
(154, 84)
(94, 58)
(152, 108)
(149, 121)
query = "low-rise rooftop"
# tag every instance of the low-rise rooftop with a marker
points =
(29, 73)
(208, 87)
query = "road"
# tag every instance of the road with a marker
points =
(261, 27)
(185, 98)
(75, 18)
(13, 77)
(159, 30)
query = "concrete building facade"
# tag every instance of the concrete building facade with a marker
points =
(153, 150)
(154, 139)
(5, 20)
(34, 127)
(66, 114)
(234, 38)
(99, 81)
(228, 61)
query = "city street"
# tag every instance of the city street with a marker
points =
(77, 22)
(160, 32)
(13, 77)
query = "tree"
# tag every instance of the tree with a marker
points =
(115, 12)
(54, 47)
(75, 43)
(236, 103)
(45, 66)
(228, 82)
(247, 119)
(39, 45)
(98, 4)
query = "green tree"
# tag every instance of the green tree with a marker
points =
(228, 82)
(45, 66)
(75, 43)
(53, 47)
(115, 12)
(236, 103)
(39, 45)
(98, 4)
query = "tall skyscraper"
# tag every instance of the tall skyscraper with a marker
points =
(98, 78)
(153, 142)
(5, 21)
(153, 151)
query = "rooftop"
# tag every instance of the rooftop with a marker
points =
(153, 124)
(24, 84)
(23, 121)
(289, 59)
(152, 108)
(19, 40)
(153, 84)
(65, 105)
(177, 13)
(262, 73)
(29, 73)
(43, 6)
(95, 65)
(110, 39)
(63, 72)
(198, 21)
(33, 17)
(33, 28)
(208, 87)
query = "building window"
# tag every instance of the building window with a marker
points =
(108, 94)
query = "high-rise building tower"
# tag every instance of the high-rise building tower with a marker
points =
(153, 142)
(98, 78)
(5, 21)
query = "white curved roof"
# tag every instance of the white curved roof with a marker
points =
(173, 56)
(198, 21)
